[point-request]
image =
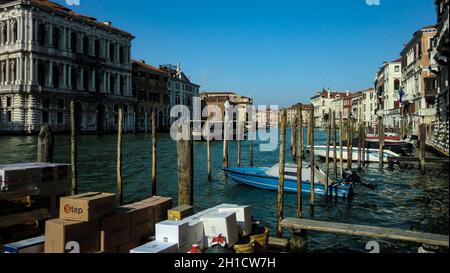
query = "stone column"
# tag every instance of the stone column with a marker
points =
(50, 75)
(81, 78)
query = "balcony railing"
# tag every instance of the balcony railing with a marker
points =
(427, 112)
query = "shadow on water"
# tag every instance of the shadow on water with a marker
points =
(404, 198)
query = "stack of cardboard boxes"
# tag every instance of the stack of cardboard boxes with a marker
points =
(93, 222)
(181, 231)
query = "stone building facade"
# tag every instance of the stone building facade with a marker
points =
(440, 54)
(387, 85)
(151, 88)
(181, 90)
(50, 55)
(418, 103)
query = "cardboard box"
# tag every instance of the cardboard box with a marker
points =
(243, 218)
(87, 207)
(33, 245)
(179, 213)
(126, 248)
(115, 230)
(196, 234)
(142, 219)
(176, 232)
(161, 206)
(156, 247)
(58, 232)
(220, 223)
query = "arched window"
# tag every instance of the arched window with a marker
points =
(74, 78)
(97, 48)
(56, 38)
(56, 75)
(42, 73)
(112, 84)
(42, 34)
(73, 41)
(86, 79)
(86, 45)
(112, 52)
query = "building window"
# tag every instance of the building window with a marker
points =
(56, 38)
(97, 48)
(59, 117)
(86, 79)
(42, 71)
(42, 35)
(74, 79)
(56, 76)
(8, 101)
(8, 116)
(45, 117)
(396, 85)
(14, 36)
(60, 103)
(46, 103)
(3, 33)
(397, 68)
(73, 41)
(86, 44)
(112, 84)
(112, 52)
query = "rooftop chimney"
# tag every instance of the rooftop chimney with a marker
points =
(143, 61)
(108, 23)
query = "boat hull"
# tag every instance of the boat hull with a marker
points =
(256, 177)
(371, 155)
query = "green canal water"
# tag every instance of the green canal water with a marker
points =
(404, 198)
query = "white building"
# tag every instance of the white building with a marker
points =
(387, 85)
(368, 107)
(323, 102)
(181, 89)
(50, 55)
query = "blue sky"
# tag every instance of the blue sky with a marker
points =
(280, 52)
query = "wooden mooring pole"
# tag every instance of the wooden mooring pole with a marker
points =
(251, 145)
(45, 144)
(364, 143)
(281, 172)
(225, 141)
(154, 153)
(341, 137)
(119, 159)
(299, 162)
(381, 141)
(293, 140)
(185, 154)
(312, 177)
(327, 159)
(360, 146)
(333, 120)
(238, 137)
(422, 140)
(208, 152)
(349, 142)
(73, 147)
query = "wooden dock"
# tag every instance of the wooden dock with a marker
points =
(367, 231)
(408, 159)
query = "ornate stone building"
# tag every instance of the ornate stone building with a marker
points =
(50, 55)
(181, 89)
(150, 86)
(440, 54)
(418, 103)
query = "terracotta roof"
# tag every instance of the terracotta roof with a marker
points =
(66, 11)
(147, 66)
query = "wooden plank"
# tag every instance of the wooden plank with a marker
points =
(407, 159)
(278, 242)
(366, 231)
(24, 218)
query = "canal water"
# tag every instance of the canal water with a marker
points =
(404, 198)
